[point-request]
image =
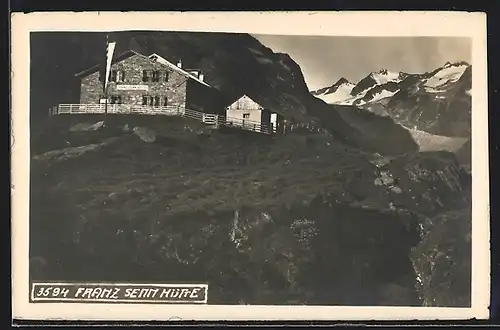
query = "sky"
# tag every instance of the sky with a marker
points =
(325, 59)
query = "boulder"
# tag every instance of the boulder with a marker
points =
(86, 127)
(145, 134)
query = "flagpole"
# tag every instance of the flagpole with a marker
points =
(106, 86)
(110, 48)
(105, 105)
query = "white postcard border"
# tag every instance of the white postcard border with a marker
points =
(459, 24)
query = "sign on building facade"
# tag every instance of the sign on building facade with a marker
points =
(132, 87)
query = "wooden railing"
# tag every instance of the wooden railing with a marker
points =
(207, 118)
(249, 125)
(118, 109)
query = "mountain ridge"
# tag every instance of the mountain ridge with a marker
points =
(235, 64)
(418, 100)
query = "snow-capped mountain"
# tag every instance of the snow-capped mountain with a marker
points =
(383, 84)
(381, 77)
(437, 102)
(444, 76)
(374, 86)
(339, 91)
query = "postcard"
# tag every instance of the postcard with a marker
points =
(250, 166)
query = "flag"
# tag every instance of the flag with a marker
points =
(110, 48)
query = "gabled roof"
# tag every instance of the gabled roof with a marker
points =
(239, 98)
(154, 56)
(116, 59)
(230, 101)
(174, 67)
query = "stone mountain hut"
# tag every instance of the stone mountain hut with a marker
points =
(149, 82)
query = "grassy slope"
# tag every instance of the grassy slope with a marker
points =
(165, 204)
(190, 171)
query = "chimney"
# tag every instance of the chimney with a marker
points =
(201, 76)
(179, 64)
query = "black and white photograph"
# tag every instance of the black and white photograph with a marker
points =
(252, 169)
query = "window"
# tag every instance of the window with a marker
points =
(144, 100)
(156, 76)
(150, 100)
(166, 75)
(246, 115)
(112, 76)
(145, 76)
(102, 99)
(165, 101)
(116, 99)
(120, 76)
(157, 101)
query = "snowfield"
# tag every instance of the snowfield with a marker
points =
(379, 96)
(342, 93)
(385, 77)
(436, 84)
(431, 142)
(449, 74)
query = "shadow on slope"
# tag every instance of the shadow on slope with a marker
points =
(380, 132)
(292, 220)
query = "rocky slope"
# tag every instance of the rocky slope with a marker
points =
(440, 103)
(464, 155)
(235, 64)
(300, 219)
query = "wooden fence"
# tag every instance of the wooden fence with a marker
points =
(249, 125)
(118, 109)
(207, 118)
